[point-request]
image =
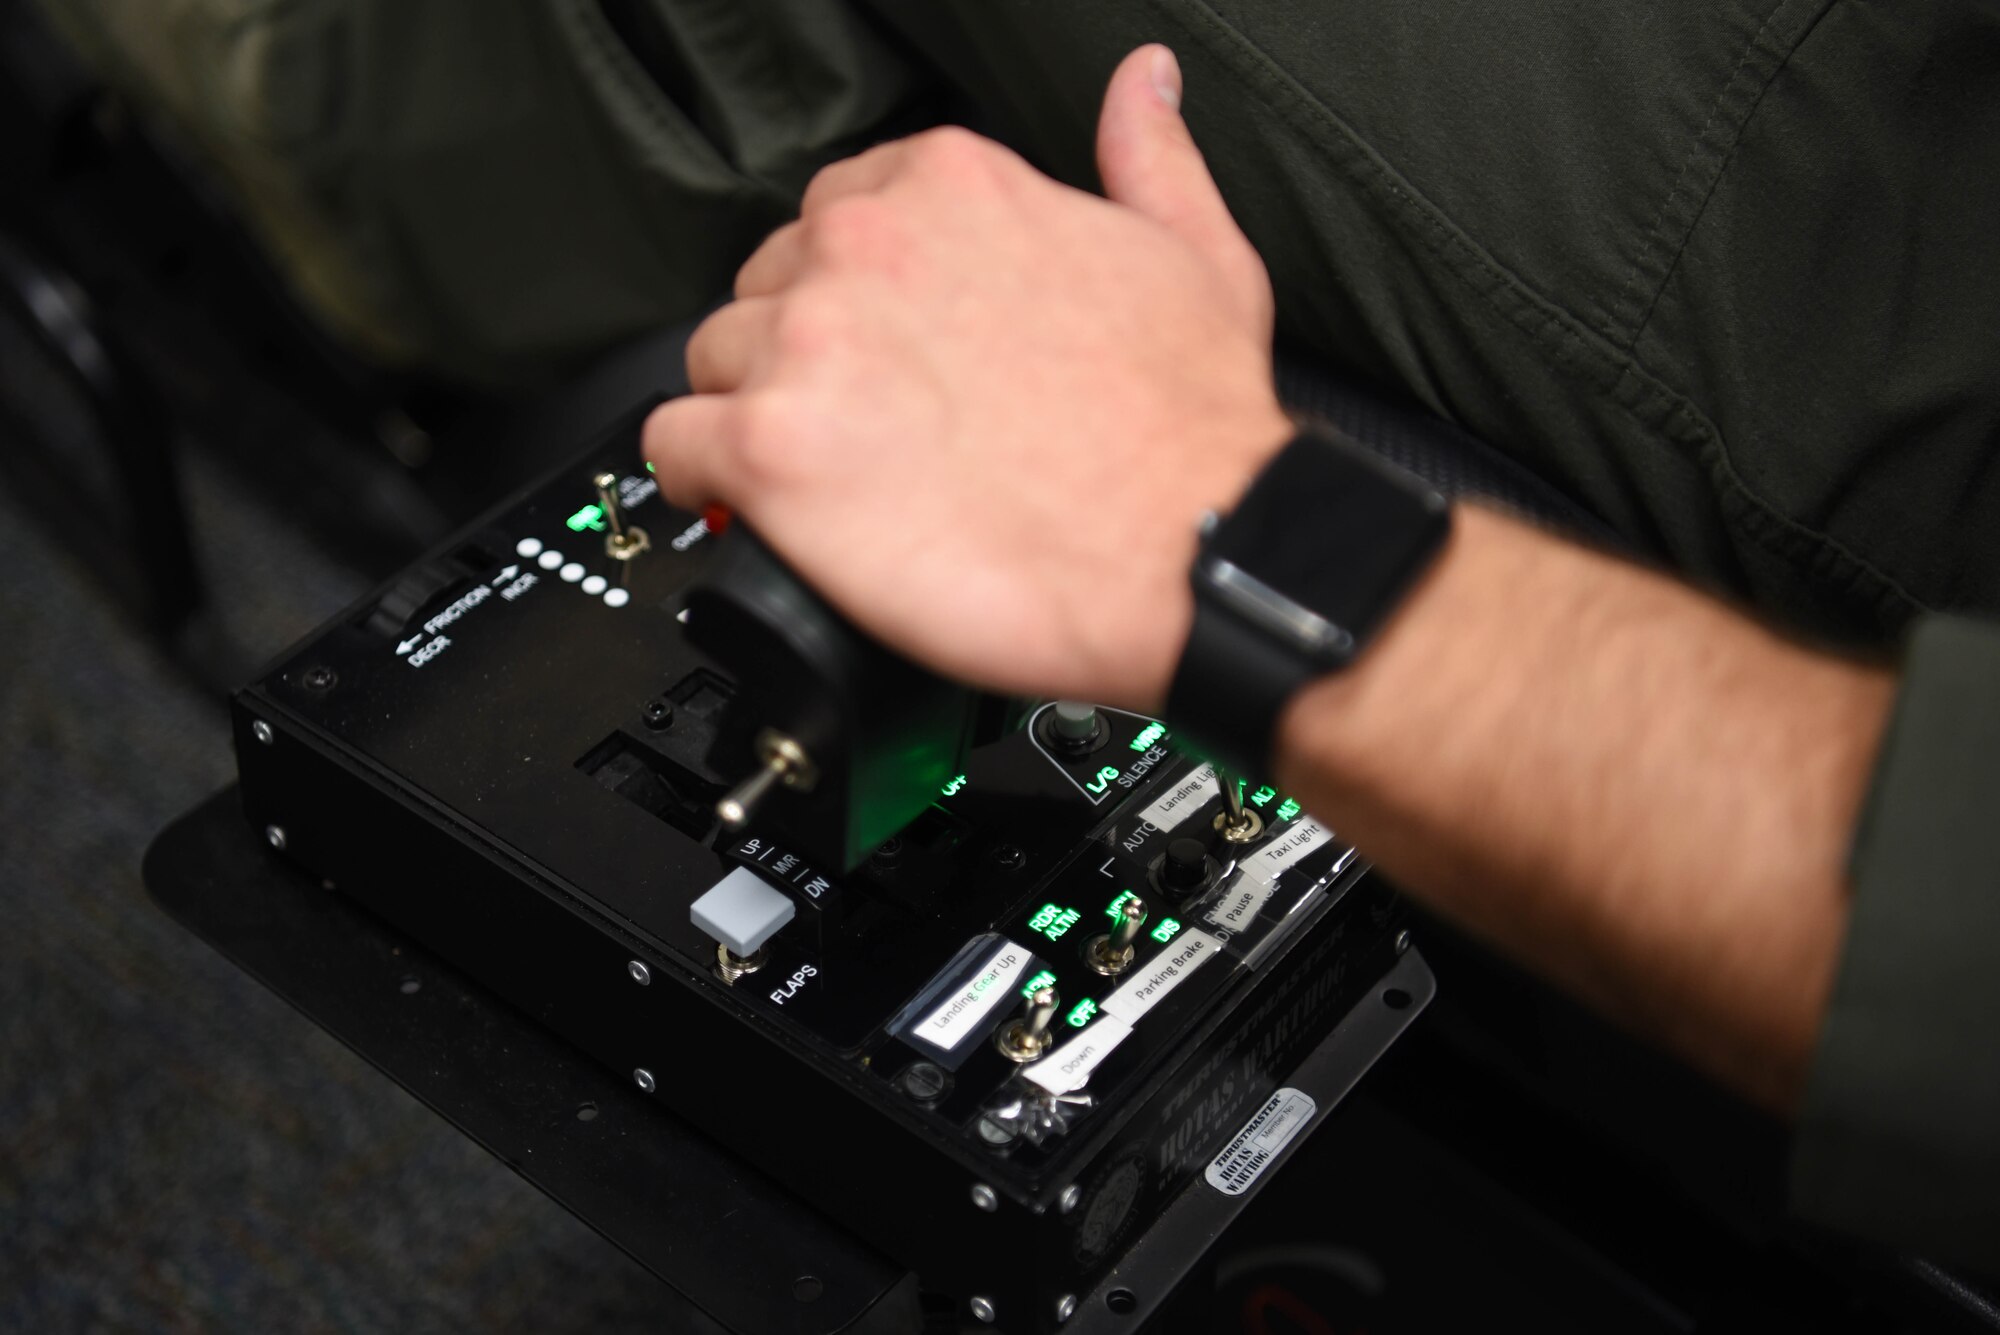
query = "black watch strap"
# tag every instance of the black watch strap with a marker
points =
(1292, 585)
(1232, 683)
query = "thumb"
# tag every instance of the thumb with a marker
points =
(1149, 162)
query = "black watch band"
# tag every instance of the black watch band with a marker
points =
(1292, 585)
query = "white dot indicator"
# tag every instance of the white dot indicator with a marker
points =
(550, 560)
(528, 547)
(572, 572)
(594, 585)
(616, 597)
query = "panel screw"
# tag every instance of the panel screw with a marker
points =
(1065, 1307)
(261, 731)
(320, 678)
(994, 1133)
(1402, 941)
(1010, 857)
(923, 1081)
(644, 1079)
(984, 1197)
(983, 1309)
(276, 834)
(659, 715)
(640, 973)
(1072, 1196)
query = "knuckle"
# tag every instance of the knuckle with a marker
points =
(952, 148)
(804, 326)
(853, 229)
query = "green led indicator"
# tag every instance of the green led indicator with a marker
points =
(951, 789)
(1116, 910)
(1079, 1014)
(1148, 735)
(1262, 797)
(1289, 809)
(1053, 921)
(1038, 982)
(1103, 779)
(650, 468)
(590, 516)
(1166, 931)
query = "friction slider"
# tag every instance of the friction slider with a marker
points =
(1028, 1037)
(783, 761)
(621, 543)
(1239, 824)
(1112, 954)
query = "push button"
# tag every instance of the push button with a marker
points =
(742, 912)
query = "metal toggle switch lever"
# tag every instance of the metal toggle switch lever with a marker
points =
(621, 543)
(1239, 824)
(783, 761)
(1112, 954)
(1028, 1037)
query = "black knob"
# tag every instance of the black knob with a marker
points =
(1185, 868)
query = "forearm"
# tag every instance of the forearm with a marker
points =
(1621, 783)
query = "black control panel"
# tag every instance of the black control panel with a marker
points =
(993, 1045)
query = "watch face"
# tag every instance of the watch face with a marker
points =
(1323, 546)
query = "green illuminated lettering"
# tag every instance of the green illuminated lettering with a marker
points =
(1148, 735)
(1080, 1014)
(1166, 931)
(590, 516)
(951, 789)
(1262, 797)
(1116, 909)
(1038, 982)
(1053, 921)
(1289, 809)
(1103, 779)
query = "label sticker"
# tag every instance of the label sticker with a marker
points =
(1263, 1137)
(965, 1000)
(1265, 864)
(1238, 906)
(1191, 950)
(1068, 1068)
(1187, 796)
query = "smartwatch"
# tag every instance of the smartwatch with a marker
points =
(1291, 585)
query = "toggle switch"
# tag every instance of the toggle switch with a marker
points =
(1028, 1037)
(1238, 824)
(782, 761)
(1112, 954)
(624, 541)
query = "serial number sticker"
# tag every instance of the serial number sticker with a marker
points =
(1168, 970)
(1068, 1068)
(1186, 796)
(1280, 853)
(1262, 1139)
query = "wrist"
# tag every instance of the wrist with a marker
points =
(1293, 585)
(1217, 471)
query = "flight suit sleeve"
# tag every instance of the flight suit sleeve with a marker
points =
(1899, 1136)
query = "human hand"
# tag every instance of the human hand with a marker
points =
(982, 412)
